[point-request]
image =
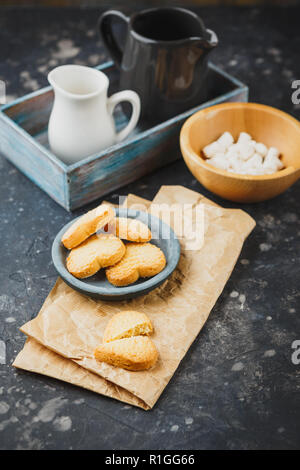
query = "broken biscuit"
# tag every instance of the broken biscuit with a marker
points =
(135, 353)
(126, 324)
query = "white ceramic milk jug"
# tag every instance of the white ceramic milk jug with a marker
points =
(81, 121)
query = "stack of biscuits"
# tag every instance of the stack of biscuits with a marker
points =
(124, 262)
(126, 343)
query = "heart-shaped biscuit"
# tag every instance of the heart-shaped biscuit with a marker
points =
(135, 353)
(86, 225)
(126, 324)
(98, 251)
(123, 343)
(140, 260)
(132, 230)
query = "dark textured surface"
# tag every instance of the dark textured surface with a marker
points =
(237, 387)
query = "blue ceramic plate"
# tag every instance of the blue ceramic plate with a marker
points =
(97, 286)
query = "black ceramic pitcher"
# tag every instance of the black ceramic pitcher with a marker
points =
(164, 58)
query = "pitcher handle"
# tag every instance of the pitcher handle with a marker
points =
(213, 40)
(105, 27)
(133, 98)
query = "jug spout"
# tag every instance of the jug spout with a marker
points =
(208, 41)
(77, 82)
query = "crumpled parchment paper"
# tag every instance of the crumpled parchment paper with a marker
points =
(63, 336)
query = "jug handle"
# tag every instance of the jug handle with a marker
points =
(213, 40)
(133, 98)
(105, 28)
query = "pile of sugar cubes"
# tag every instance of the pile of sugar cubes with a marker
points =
(244, 157)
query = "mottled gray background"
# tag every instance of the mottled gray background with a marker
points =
(237, 387)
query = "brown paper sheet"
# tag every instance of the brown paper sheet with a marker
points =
(34, 357)
(72, 325)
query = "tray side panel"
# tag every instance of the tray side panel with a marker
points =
(23, 152)
(122, 166)
(32, 114)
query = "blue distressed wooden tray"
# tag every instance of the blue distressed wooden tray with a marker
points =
(23, 141)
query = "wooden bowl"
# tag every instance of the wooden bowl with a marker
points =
(265, 124)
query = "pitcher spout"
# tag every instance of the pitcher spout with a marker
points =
(77, 82)
(207, 42)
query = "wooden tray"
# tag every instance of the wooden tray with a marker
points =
(24, 141)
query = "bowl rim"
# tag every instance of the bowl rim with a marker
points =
(123, 291)
(198, 159)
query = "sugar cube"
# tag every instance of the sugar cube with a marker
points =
(212, 149)
(255, 162)
(246, 150)
(272, 162)
(219, 161)
(235, 163)
(226, 140)
(273, 151)
(233, 151)
(244, 137)
(261, 149)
